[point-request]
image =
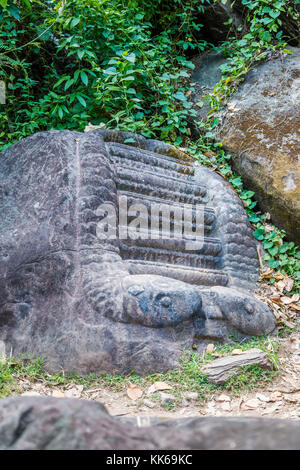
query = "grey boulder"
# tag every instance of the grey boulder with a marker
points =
(262, 134)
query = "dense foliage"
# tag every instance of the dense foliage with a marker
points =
(118, 62)
(126, 64)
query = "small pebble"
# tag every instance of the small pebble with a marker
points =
(149, 403)
(191, 395)
(185, 403)
(223, 398)
(166, 398)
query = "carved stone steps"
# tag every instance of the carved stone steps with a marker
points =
(168, 256)
(196, 276)
(166, 211)
(157, 186)
(135, 158)
(208, 246)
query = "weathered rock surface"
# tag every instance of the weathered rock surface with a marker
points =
(206, 75)
(262, 135)
(220, 370)
(73, 424)
(223, 19)
(89, 302)
(216, 14)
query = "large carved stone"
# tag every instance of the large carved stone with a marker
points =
(87, 304)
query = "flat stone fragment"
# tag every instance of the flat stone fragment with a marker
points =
(73, 424)
(99, 267)
(220, 370)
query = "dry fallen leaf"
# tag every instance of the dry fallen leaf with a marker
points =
(280, 285)
(275, 396)
(270, 410)
(295, 307)
(286, 300)
(223, 398)
(289, 284)
(267, 273)
(262, 397)
(231, 105)
(288, 324)
(134, 392)
(158, 386)
(215, 354)
(210, 348)
(236, 352)
(251, 404)
(268, 228)
(226, 406)
(278, 276)
(290, 399)
(58, 394)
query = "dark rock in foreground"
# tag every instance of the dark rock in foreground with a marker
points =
(73, 424)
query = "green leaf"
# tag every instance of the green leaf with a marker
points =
(254, 218)
(273, 264)
(259, 233)
(215, 123)
(69, 83)
(130, 57)
(267, 245)
(60, 81)
(237, 182)
(84, 78)
(80, 54)
(27, 3)
(274, 14)
(3, 3)
(74, 22)
(14, 11)
(180, 96)
(81, 100)
(274, 251)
